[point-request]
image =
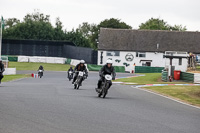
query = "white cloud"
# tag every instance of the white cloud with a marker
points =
(133, 12)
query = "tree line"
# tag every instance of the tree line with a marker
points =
(37, 26)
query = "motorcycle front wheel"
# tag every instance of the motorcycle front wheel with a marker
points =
(105, 90)
(75, 86)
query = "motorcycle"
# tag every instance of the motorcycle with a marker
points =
(70, 76)
(79, 79)
(105, 86)
(40, 73)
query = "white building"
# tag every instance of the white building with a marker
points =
(146, 48)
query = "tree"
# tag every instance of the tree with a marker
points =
(58, 30)
(35, 26)
(11, 22)
(114, 23)
(107, 23)
(178, 28)
(77, 38)
(154, 24)
(159, 24)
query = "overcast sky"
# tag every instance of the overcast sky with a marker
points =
(133, 12)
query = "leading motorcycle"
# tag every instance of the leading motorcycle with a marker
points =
(103, 91)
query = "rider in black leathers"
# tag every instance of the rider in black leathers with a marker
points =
(70, 69)
(41, 68)
(106, 69)
(80, 67)
(1, 70)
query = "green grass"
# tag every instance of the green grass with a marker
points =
(188, 94)
(149, 78)
(198, 68)
(14, 77)
(35, 66)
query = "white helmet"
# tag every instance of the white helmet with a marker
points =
(109, 62)
(82, 62)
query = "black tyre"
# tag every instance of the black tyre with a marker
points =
(99, 95)
(75, 86)
(105, 91)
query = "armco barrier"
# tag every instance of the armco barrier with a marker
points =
(92, 67)
(197, 78)
(188, 77)
(148, 69)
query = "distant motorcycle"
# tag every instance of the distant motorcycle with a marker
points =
(103, 91)
(70, 76)
(81, 76)
(40, 73)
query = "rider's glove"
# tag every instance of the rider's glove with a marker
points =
(113, 78)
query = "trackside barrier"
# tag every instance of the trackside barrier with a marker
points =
(188, 77)
(148, 69)
(197, 78)
(11, 58)
(68, 61)
(74, 62)
(184, 76)
(164, 76)
(34, 75)
(92, 67)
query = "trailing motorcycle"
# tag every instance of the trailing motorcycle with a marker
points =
(70, 76)
(81, 76)
(40, 73)
(103, 91)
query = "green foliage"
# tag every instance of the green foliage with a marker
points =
(77, 38)
(11, 22)
(107, 23)
(37, 26)
(114, 23)
(158, 24)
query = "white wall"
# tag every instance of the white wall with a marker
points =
(9, 71)
(41, 59)
(157, 60)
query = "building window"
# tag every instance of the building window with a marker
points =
(113, 53)
(180, 61)
(140, 54)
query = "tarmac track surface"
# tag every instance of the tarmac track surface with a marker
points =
(51, 105)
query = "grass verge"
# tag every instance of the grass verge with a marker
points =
(149, 78)
(35, 66)
(14, 77)
(188, 94)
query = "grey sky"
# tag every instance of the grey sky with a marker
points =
(133, 12)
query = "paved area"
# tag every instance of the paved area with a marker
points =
(51, 105)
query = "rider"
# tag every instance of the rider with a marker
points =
(70, 69)
(41, 68)
(1, 70)
(80, 67)
(106, 69)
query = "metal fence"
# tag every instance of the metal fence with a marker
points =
(64, 49)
